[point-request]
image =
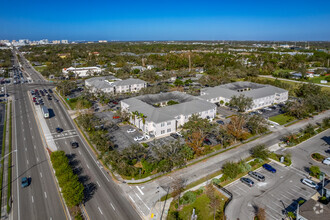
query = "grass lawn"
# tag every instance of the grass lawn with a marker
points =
(282, 119)
(201, 206)
(318, 80)
(40, 68)
(73, 103)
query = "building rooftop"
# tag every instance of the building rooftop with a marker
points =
(312, 209)
(111, 81)
(249, 89)
(188, 105)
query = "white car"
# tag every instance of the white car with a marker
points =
(146, 137)
(138, 138)
(326, 161)
(309, 183)
(179, 134)
(131, 130)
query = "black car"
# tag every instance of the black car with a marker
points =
(49, 98)
(207, 141)
(247, 181)
(74, 144)
(174, 135)
(59, 130)
(50, 91)
(220, 122)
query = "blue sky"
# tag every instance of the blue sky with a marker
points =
(166, 20)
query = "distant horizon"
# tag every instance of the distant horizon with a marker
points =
(108, 41)
(171, 20)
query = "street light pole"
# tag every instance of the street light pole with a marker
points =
(7, 156)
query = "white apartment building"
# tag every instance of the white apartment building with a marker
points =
(110, 84)
(262, 95)
(83, 71)
(154, 117)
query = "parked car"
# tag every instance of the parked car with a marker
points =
(257, 176)
(146, 137)
(247, 181)
(326, 161)
(24, 182)
(138, 138)
(179, 134)
(207, 141)
(115, 117)
(220, 122)
(59, 130)
(131, 130)
(74, 144)
(309, 183)
(174, 135)
(269, 168)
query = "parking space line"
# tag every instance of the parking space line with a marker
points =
(298, 192)
(274, 210)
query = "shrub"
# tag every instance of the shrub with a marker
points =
(231, 169)
(188, 198)
(314, 171)
(260, 151)
(317, 156)
(244, 167)
(216, 181)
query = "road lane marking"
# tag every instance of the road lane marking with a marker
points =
(37, 159)
(27, 162)
(32, 199)
(35, 147)
(25, 149)
(142, 201)
(45, 195)
(98, 183)
(100, 210)
(140, 190)
(40, 174)
(112, 206)
(79, 152)
(87, 166)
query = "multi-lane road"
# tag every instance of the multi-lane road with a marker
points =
(104, 198)
(41, 200)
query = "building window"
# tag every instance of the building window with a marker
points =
(169, 130)
(169, 123)
(162, 124)
(162, 132)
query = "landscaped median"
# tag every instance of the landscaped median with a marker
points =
(3, 160)
(71, 189)
(9, 160)
(306, 133)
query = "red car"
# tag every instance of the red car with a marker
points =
(116, 103)
(115, 117)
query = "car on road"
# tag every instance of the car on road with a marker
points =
(146, 137)
(138, 138)
(326, 161)
(269, 168)
(257, 176)
(59, 130)
(50, 91)
(74, 144)
(131, 130)
(24, 182)
(247, 181)
(309, 183)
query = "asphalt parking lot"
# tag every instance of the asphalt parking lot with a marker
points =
(278, 195)
(121, 138)
(225, 112)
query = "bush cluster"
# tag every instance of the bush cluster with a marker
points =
(72, 189)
